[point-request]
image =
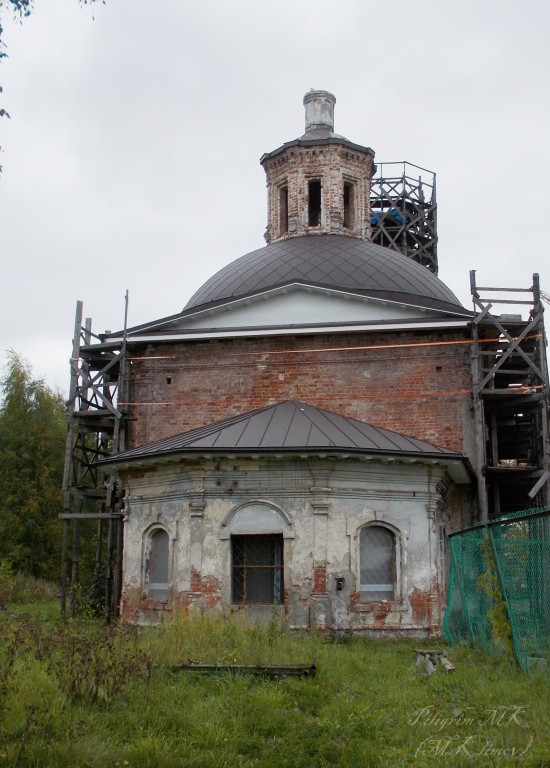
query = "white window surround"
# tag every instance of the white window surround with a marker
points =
(256, 518)
(397, 588)
(156, 562)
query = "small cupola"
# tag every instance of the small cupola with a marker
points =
(319, 113)
(319, 183)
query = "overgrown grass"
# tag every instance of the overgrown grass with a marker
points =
(80, 695)
(214, 639)
(27, 589)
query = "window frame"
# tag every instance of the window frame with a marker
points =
(348, 206)
(395, 564)
(248, 570)
(157, 590)
(317, 211)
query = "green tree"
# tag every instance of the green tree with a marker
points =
(32, 439)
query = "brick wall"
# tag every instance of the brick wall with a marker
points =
(423, 391)
(332, 164)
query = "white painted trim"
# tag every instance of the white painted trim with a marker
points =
(265, 295)
(254, 503)
(297, 331)
(186, 314)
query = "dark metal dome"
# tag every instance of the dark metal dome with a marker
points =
(329, 261)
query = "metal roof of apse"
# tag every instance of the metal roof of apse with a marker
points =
(329, 261)
(288, 427)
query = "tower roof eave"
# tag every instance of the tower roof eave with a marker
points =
(318, 138)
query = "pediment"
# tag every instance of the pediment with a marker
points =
(297, 305)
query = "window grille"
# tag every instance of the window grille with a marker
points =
(257, 565)
(157, 565)
(377, 567)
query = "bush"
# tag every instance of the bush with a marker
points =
(93, 664)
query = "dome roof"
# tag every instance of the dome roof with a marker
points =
(336, 262)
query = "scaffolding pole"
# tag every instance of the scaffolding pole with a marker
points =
(511, 398)
(96, 429)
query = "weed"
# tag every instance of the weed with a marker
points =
(496, 615)
(7, 580)
(28, 589)
(79, 695)
(93, 664)
(37, 724)
(9, 644)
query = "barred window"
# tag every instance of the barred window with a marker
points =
(257, 569)
(156, 565)
(377, 563)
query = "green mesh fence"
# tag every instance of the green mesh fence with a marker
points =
(499, 587)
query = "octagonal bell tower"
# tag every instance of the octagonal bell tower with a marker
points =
(319, 183)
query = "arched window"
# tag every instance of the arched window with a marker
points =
(156, 565)
(377, 563)
(257, 531)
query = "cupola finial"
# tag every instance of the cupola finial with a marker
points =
(319, 110)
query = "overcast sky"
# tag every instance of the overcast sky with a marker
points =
(131, 157)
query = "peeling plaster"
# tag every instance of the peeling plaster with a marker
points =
(310, 504)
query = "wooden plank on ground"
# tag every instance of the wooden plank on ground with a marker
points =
(265, 670)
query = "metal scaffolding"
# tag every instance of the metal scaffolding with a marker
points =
(511, 398)
(404, 211)
(96, 428)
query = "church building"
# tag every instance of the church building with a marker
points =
(301, 438)
(302, 428)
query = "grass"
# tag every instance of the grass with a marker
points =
(30, 590)
(369, 705)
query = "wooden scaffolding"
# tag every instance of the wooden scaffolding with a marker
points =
(96, 428)
(404, 211)
(511, 398)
